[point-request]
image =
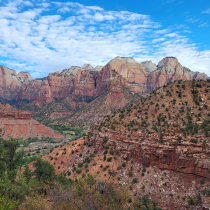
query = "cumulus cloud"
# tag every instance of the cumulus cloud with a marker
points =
(34, 40)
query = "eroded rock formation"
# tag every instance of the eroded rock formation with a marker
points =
(19, 124)
(141, 78)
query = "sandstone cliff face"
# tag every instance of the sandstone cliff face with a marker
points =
(150, 67)
(132, 71)
(108, 77)
(18, 86)
(144, 81)
(141, 78)
(169, 70)
(85, 83)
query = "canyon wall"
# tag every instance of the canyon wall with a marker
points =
(141, 78)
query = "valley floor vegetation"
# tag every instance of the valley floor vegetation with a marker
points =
(42, 189)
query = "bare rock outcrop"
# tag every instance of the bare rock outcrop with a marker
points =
(19, 124)
(149, 65)
(141, 78)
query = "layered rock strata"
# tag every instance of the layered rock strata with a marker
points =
(141, 78)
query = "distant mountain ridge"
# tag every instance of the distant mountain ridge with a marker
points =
(65, 94)
(142, 78)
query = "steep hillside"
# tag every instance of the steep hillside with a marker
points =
(107, 103)
(60, 108)
(175, 118)
(159, 146)
(64, 94)
(18, 124)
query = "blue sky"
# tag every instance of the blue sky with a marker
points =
(46, 36)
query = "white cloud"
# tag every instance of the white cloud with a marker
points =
(95, 8)
(192, 20)
(158, 40)
(64, 9)
(41, 43)
(28, 3)
(187, 31)
(204, 25)
(206, 11)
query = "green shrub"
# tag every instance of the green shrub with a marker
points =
(123, 164)
(202, 181)
(106, 151)
(105, 139)
(80, 165)
(190, 201)
(109, 159)
(194, 141)
(135, 180)
(130, 173)
(78, 170)
(111, 152)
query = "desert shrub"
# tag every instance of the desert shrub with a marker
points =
(202, 181)
(205, 106)
(119, 167)
(105, 139)
(135, 180)
(206, 192)
(145, 203)
(194, 141)
(78, 170)
(123, 164)
(109, 159)
(130, 173)
(179, 138)
(80, 165)
(190, 201)
(111, 152)
(36, 202)
(161, 138)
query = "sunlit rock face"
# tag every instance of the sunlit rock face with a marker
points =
(141, 78)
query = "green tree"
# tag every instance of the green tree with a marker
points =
(9, 158)
(27, 173)
(44, 171)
